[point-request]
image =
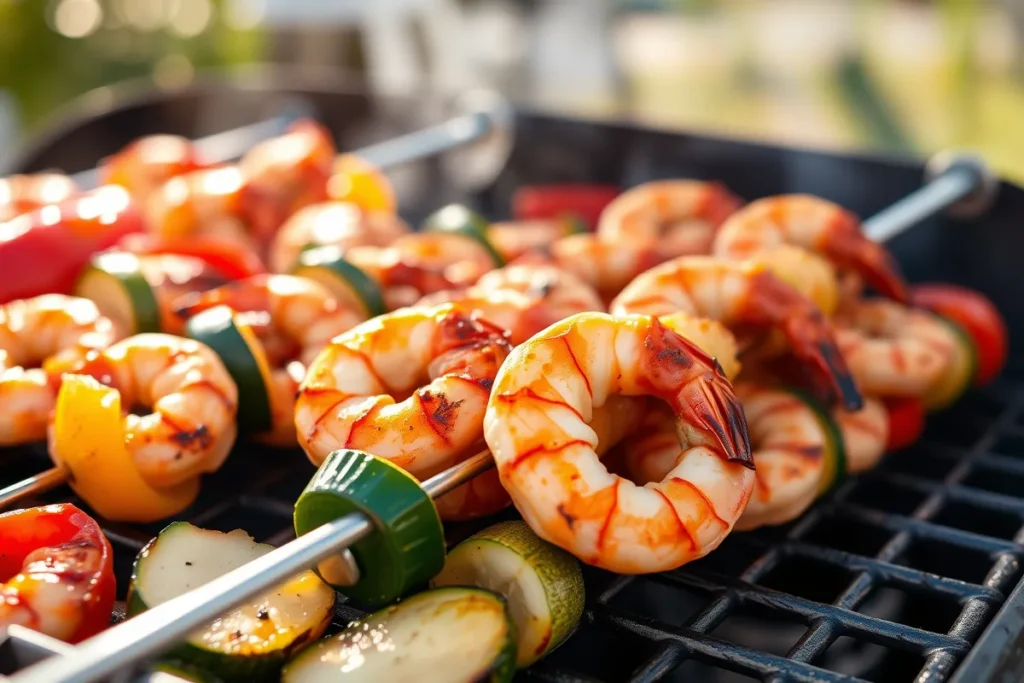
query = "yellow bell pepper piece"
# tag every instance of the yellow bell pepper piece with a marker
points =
(89, 441)
(361, 183)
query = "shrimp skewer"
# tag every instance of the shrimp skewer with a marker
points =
(744, 295)
(537, 429)
(677, 217)
(814, 224)
(38, 338)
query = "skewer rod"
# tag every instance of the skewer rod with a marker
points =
(933, 197)
(40, 483)
(427, 142)
(165, 625)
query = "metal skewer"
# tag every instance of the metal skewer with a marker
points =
(161, 627)
(960, 183)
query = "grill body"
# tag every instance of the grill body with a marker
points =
(910, 572)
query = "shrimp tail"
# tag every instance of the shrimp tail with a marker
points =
(850, 248)
(709, 405)
(809, 336)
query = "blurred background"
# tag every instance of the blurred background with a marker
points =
(894, 76)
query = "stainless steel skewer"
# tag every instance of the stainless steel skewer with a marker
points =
(163, 626)
(961, 183)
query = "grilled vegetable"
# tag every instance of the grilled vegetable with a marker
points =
(88, 439)
(59, 572)
(457, 219)
(116, 283)
(358, 181)
(554, 201)
(251, 642)
(229, 259)
(976, 315)
(445, 635)
(958, 377)
(245, 359)
(346, 282)
(407, 546)
(185, 671)
(542, 583)
(834, 455)
(43, 251)
(906, 421)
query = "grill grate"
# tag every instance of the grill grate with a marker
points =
(892, 578)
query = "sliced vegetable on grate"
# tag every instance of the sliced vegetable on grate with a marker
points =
(407, 546)
(444, 635)
(116, 283)
(542, 583)
(252, 641)
(460, 220)
(347, 282)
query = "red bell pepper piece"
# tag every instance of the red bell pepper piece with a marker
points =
(44, 251)
(58, 570)
(586, 202)
(26, 192)
(906, 421)
(976, 315)
(231, 260)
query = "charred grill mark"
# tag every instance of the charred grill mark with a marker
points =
(441, 412)
(807, 451)
(679, 522)
(189, 438)
(570, 519)
(583, 375)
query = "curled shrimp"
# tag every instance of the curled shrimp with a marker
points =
(814, 224)
(893, 350)
(410, 386)
(678, 217)
(284, 174)
(207, 202)
(744, 295)
(294, 318)
(339, 224)
(143, 166)
(606, 265)
(523, 299)
(513, 239)
(461, 259)
(23, 193)
(38, 338)
(402, 279)
(193, 400)
(537, 429)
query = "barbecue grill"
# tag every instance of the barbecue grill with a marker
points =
(910, 572)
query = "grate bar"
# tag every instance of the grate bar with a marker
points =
(990, 500)
(719, 652)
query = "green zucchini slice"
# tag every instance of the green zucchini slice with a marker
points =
(346, 282)
(253, 641)
(115, 282)
(245, 359)
(960, 375)
(460, 220)
(542, 583)
(407, 546)
(445, 635)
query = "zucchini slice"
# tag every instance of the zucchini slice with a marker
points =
(835, 448)
(245, 359)
(958, 378)
(407, 547)
(542, 583)
(445, 635)
(251, 642)
(458, 219)
(346, 282)
(115, 282)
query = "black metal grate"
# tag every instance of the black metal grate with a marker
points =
(893, 578)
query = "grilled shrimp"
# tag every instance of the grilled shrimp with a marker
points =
(204, 202)
(38, 338)
(865, 434)
(410, 386)
(23, 193)
(814, 224)
(515, 238)
(403, 279)
(284, 174)
(191, 428)
(145, 165)
(294, 318)
(536, 426)
(744, 295)
(893, 350)
(461, 259)
(340, 224)
(523, 299)
(171, 277)
(677, 217)
(605, 265)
